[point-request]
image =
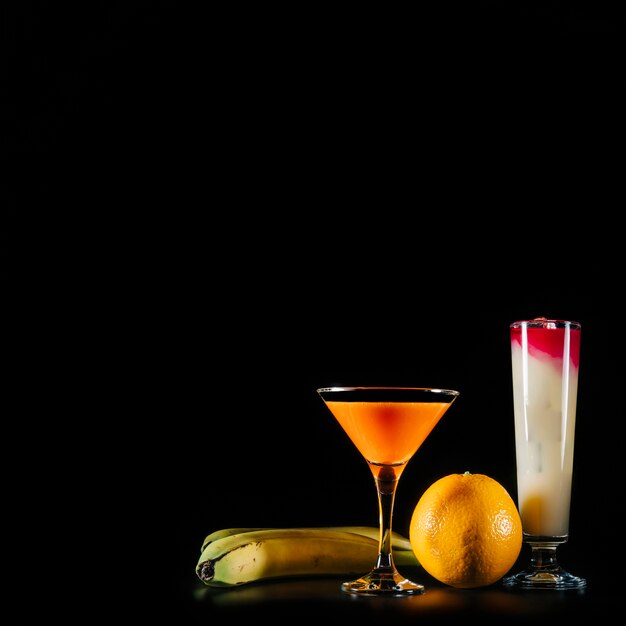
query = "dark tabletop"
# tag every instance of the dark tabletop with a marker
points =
(322, 598)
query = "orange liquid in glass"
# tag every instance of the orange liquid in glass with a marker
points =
(388, 433)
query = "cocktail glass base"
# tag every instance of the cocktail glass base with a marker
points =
(377, 583)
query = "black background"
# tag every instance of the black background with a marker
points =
(241, 206)
(180, 113)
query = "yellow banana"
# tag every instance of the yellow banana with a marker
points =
(246, 557)
(399, 542)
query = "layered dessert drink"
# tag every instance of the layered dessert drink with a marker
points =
(545, 359)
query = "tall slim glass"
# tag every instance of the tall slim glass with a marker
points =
(545, 357)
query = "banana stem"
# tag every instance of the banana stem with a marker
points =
(206, 572)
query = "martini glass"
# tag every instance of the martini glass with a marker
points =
(387, 425)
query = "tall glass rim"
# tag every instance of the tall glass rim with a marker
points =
(450, 392)
(543, 322)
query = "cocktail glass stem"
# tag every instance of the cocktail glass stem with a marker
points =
(384, 577)
(386, 484)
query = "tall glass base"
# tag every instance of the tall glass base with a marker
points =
(544, 571)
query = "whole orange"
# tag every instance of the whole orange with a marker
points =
(466, 530)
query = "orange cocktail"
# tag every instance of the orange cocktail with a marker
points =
(387, 425)
(388, 433)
